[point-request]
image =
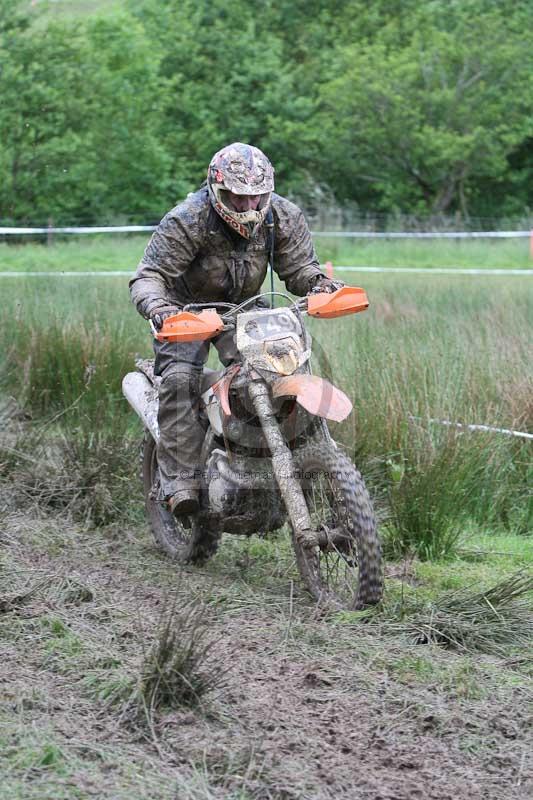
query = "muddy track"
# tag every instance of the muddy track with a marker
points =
(309, 708)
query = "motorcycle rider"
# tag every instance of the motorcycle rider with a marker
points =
(215, 246)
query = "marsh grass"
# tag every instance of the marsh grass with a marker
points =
(442, 479)
(458, 352)
(85, 474)
(63, 355)
(71, 368)
(178, 670)
(452, 349)
(488, 621)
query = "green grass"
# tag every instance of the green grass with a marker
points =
(91, 252)
(477, 254)
(116, 252)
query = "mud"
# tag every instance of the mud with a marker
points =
(309, 709)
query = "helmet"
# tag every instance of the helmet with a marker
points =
(241, 169)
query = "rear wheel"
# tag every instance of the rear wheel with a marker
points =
(185, 541)
(345, 569)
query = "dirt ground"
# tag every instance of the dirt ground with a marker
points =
(307, 707)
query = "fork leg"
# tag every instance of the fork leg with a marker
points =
(283, 466)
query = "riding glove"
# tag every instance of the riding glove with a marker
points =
(327, 285)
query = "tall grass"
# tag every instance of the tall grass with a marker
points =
(429, 348)
(68, 345)
(457, 350)
(63, 354)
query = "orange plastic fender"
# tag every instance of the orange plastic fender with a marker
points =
(188, 327)
(347, 300)
(221, 388)
(315, 394)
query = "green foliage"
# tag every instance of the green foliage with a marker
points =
(79, 121)
(113, 114)
(417, 114)
(228, 81)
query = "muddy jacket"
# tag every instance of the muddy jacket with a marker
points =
(194, 256)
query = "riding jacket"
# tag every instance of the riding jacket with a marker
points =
(193, 256)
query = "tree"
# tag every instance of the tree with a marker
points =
(228, 81)
(79, 121)
(420, 117)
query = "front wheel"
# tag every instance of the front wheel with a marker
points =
(345, 569)
(190, 543)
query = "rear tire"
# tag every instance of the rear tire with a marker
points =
(192, 544)
(349, 573)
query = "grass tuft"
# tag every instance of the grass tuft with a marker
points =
(178, 670)
(489, 621)
(426, 482)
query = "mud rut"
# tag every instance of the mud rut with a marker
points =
(309, 709)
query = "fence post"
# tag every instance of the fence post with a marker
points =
(329, 268)
(531, 243)
(49, 234)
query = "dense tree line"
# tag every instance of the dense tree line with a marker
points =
(418, 106)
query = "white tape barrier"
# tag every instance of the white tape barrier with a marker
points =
(437, 270)
(101, 229)
(331, 234)
(414, 270)
(68, 274)
(489, 428)
(426, 235)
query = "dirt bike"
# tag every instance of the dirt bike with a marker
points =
(268, 457)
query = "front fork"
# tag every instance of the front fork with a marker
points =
(283, 465)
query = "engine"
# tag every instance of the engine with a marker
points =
(243, 493)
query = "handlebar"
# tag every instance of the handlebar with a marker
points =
(200, 321)
(234, 308)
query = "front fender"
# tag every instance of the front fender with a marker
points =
(316, 395)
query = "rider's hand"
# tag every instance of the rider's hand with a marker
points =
(326, 285)
(158, 315)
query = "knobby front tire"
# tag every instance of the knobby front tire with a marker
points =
(348, 572)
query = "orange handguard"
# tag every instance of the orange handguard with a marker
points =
(188, 327)
(347, 300)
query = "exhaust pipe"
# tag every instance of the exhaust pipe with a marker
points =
(142, 397)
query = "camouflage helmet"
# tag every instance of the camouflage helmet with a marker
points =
(241, 169)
